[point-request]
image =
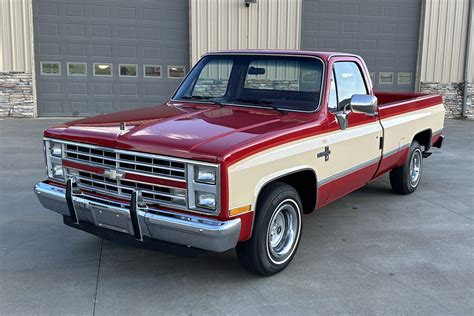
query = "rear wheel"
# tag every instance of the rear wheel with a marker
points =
(276, 233)
(405, 179)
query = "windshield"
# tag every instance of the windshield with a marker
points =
(278, 82)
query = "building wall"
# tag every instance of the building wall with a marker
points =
(16, 59)
(385, 33)
(442, 53)
(229, 24)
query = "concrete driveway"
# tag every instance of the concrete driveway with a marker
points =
(371, 252)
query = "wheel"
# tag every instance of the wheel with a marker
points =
(405, 179)
(276, 233)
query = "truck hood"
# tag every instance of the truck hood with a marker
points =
(186, 130)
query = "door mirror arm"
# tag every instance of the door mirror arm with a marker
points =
(342, 118)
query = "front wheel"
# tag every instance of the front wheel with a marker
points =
(405, 179)
(276, 233)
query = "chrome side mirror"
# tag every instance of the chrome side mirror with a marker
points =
(364, 103)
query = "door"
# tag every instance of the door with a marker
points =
(354, 153)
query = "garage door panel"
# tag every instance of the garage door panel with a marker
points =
(50, 88)
(102, 88)
(384, 33)
(77, 88)
(114, 32)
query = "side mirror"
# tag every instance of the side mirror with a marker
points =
(365, 104)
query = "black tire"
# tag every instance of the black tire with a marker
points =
(280, 205)
(404, 179)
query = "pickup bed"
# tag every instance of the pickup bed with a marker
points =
(250, 141)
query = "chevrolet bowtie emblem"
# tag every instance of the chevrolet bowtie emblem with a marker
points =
(113, 174)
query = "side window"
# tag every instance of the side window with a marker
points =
(332, 94)
(349, 81)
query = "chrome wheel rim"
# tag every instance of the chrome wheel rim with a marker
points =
(416, 163)
(283, 231)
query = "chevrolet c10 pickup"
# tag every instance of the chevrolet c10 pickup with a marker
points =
(249, 142)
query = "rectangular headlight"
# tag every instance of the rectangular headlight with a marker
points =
(54, 153)
(203, 187)
(57, 171)
(56, 149)
(205, 174)
(206, 200)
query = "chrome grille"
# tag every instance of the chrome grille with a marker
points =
(135, 162)
(122, 188)
(128, 162)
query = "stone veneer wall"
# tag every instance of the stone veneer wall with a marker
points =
(16, 95)
(218, 87)
(452, 95)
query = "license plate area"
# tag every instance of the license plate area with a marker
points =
(110, 218)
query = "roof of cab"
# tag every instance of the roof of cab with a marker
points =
(322, 55)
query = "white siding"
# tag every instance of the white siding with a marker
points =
(16, 39)
(443, 41)
(229, 24)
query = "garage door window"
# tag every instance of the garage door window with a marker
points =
(76, 69)
(103, 70)
(176, 71)
(127, 70)
(152, 71)
(50, 68)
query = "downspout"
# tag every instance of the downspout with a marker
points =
(467, 61)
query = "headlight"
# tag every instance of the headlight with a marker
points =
(56, 149)
(54, 153)
(206, 200)
(57, 171)
(203, 187)
(205, 174)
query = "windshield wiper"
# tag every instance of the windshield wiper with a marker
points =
(201, 97)
(262, 102)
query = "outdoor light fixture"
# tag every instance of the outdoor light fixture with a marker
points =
(249, 2)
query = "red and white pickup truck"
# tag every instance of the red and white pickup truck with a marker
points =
(250, 141)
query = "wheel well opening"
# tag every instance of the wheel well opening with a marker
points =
(424, 139)
(305, 184)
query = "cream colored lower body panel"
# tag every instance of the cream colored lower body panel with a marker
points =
(400, 130)
(349, 149)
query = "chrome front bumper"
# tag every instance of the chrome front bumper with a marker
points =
(140, 221)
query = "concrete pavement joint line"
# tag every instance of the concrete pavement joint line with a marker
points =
(377, 272)
(443, 207)
(98, 272)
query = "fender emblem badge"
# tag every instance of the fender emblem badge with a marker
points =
(325, 153)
